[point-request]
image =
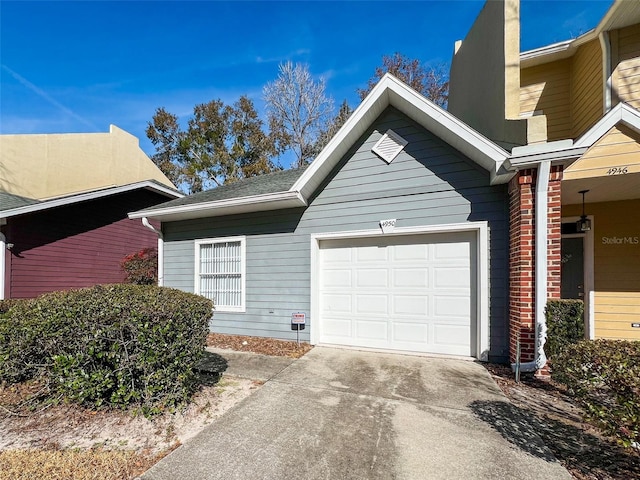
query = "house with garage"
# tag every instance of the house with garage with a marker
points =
(64, 200)
(394, 238)
(568, 115)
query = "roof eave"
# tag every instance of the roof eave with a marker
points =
(253, 203)
(83, 197)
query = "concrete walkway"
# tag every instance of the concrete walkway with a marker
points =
(346, 414)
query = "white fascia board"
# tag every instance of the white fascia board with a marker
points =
(555, 51)
(621, 113)
(390, 91)
(254, 203)
(83, 197)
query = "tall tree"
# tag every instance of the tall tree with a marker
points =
(332, 127)
(221, 144)
(432, 82)
(297, 109)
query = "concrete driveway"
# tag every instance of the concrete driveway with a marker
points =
(346, 414)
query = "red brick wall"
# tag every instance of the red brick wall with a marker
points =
(521, 264)
(522, 256)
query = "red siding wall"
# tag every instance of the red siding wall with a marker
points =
(76, 246)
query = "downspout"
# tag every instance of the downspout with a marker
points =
(3, 260)
(541, 237)
(146, 223)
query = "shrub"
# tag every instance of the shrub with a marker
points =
(565, 323)
(604, 375)
(114, 345)
(7, 303)
(141, 268)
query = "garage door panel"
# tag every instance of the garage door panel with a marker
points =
(410, 277)
(401, 293)
(457, 250)
(337, 327)
(372, 329)
(336, 279)
(372, 278)
(410, 253)
(451, 277)
(371, 304)
(417, 305)
(370, 254)
(410, 333)
(336, 303)
(452, 307)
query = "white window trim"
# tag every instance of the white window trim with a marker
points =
(481, 230)
(243, 269)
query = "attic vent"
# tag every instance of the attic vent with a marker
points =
(389, 146)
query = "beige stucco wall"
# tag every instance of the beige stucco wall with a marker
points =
(47, 166)
(484, 89)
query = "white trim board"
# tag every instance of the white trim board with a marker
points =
(481, 230)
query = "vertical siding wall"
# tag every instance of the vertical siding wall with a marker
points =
(430, 183)
(77, 245)
(625, 49)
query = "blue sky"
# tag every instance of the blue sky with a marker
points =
(80, 66)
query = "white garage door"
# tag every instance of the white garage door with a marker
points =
(412, 293)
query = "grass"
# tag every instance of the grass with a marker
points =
(73, 464)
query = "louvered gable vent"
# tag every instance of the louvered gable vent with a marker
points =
(389, 146)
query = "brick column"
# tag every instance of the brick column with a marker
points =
(521, 264)
(522, 256)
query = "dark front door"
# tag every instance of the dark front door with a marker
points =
(572, 269)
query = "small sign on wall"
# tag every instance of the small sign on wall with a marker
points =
(388, 226)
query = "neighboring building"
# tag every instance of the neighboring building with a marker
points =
(63, 209)
(568, 113)
(405, 252)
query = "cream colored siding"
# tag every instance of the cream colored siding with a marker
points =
(616, 267)
(586, 87)
(626, 59)
(618, 149)
(546, 88)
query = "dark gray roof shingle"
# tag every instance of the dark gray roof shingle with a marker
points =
(9, 201)
(280, 181)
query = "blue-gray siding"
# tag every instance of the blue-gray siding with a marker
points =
(429, 183)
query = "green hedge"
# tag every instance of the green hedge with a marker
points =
(565, 324)
(604, 375)
(114, 345)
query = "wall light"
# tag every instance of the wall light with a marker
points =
(584, 224)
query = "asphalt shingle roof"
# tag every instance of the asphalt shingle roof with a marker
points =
(9, 201)
(280, 181)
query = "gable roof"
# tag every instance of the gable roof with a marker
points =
(20, 205)
(279, 193)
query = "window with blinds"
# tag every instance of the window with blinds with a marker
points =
(220, 272)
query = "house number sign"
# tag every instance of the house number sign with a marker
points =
(618, 170)
(388, 226)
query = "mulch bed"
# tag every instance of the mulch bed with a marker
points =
(261, 345)
(559, 420)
